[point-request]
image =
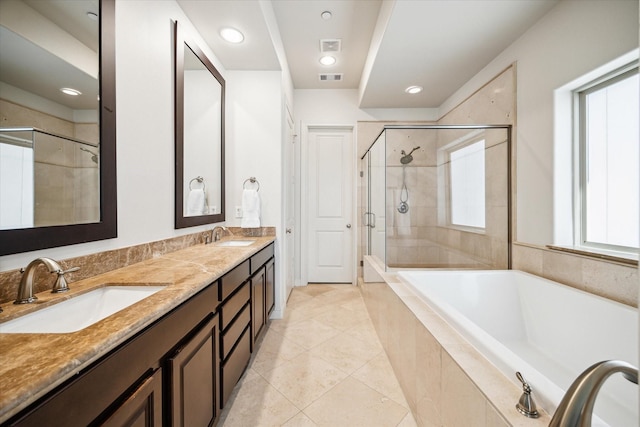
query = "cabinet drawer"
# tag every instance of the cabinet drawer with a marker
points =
(260, 258)
(233, 279)
(230, 337)
(233, 306)
(233, 368)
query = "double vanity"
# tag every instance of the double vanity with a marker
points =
(171, 356)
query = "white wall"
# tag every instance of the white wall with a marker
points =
(572, 39)
(254, 141)
(145, 141)
(254, 149)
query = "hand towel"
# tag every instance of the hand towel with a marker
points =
(196, 202)
(250, 209)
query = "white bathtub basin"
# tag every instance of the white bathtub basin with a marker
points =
(79, 312)
(235, 243)
(547, 331)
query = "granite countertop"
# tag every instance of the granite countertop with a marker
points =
(34, 364)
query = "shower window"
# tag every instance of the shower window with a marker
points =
(609, 163)
(467, 175)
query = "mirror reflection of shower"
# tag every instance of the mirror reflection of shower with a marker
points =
(403, 207)
(94, 157)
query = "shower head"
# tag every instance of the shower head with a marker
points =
(94, 157)
(407, 158)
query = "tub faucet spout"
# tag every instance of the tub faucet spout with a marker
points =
(576, 407)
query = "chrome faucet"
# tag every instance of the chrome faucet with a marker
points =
(25, 290)
(576, 407)
(216, 232)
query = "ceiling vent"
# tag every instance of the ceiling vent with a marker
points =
(330, 77)
(330, 45)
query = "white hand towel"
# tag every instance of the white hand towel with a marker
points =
(250, 209)
(196, 202)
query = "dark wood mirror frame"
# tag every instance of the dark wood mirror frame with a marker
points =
(30, 239)
(181, 42)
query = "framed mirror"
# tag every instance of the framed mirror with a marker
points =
(199, 138)
(62, 191)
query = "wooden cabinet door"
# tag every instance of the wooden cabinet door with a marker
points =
(143, 408)
(257, 303)
(269, 290)
(194, 385)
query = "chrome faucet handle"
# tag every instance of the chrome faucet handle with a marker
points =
(526, 406)
(61, 282)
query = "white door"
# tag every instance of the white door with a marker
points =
(290, 217)
(330, 237)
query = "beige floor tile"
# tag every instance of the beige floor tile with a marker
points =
(274, 350)
(300, 420)
(307, 333)
(304, 379)
(363, 330)
(303, 363)
(351, 403)
(408, 421)
(346, 352)
(314, 289)
(257, 403)
(342, 318)
(378, 374)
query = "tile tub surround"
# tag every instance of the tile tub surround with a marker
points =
(35, 364)
(102, 262)
(445, 380)
(615, 281)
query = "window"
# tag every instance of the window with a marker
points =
(607, 213)
(467, 185)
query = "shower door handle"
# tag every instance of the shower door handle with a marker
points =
(367, 223)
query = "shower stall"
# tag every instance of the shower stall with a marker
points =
(438, 197)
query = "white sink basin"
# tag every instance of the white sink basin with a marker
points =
(79, 312)
(235, 243)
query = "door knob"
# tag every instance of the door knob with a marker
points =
(288, 231)
(348, 225)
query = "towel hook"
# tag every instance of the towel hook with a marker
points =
(200, 180)
(252, 180)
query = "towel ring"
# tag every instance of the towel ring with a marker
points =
(252, 180)
(200, 180)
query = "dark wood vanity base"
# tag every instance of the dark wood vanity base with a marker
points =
(178, 371)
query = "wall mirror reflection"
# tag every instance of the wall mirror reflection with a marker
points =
(57, 129)
(199, 136)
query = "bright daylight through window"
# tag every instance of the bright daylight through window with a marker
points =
(467, 186)
(609, 161)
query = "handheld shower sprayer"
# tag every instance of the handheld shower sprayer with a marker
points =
(407, 158)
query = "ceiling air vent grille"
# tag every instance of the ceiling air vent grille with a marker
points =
(330, 77)
(330, 45)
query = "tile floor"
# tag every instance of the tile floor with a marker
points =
(322, 365)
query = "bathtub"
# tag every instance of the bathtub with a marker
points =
(547, 331)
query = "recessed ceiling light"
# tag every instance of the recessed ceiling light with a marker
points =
(92, 15)
(69, 91)
(413, 89)
(326, 15)
(231, 35)
(327, 60)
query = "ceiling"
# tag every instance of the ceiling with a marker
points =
(387, 45)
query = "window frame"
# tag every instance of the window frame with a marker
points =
(580, 161)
